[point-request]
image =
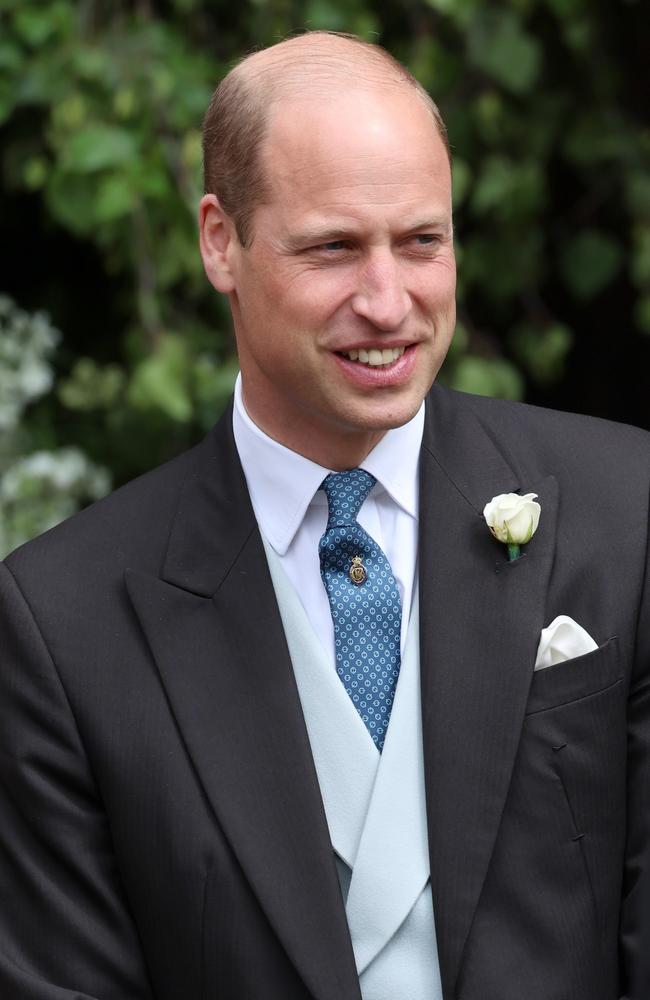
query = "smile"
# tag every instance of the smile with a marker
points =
(374, 357)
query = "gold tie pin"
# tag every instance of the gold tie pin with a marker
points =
(357, 571)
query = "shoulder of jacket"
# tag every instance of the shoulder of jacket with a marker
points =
(553, 430)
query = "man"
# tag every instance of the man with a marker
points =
(272, 723)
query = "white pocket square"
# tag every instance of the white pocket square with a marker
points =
(562, 640)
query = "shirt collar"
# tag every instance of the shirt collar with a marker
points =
(282, 483)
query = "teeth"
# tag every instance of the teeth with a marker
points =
(374, 357)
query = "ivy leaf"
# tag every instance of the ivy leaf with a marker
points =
(543, 352)
(11, 58)
(488, 377)
(326, 15)
(72, 201)
(161, 381)
(460, 11)
(590, 262)
(213, 384)
(91, 387)
(461, 179)
(34, 26)
(499, 46)
(98, 147)
(115, 198)
(565, 9)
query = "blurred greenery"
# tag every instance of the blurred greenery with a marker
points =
(100, 111)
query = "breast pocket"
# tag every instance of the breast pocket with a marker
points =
(571, 775)
(574, 679)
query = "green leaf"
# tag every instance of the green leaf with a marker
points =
(460, 11)
(499, 45)
(493, 186)
(433, 65)
(213, 384)
(91, 387)
(35, 172)
(70, 114)
(161, 381)
(501, 264)
(564, 9)
(512, 190)
(578, 34)
(590, 262)
(488, 377)
(11, 57)
(490, 112)
(115, 198)
(98, 147)
(91, 62)
(442, 6)
(596, 138)
(43, 84)
(7, 101)
(461, 179)
(72, 200)
(34, 26)
(543, 351)
(326, 15)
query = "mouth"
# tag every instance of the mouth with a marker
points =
(374, 357)
(371, 368)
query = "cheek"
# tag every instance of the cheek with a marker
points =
(434, 287)
(442, 287)
(317, 293)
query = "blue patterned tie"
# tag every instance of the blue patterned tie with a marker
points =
(364, 600)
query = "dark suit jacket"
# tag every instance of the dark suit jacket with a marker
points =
(161, 828)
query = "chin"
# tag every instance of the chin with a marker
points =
(381, 419)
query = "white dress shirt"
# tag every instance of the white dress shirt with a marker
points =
(291, 510)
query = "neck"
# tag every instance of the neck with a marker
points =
(336, 448)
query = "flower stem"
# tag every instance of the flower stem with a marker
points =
(513, 552)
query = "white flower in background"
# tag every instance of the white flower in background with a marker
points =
(512, 519)
(26, 345)
(42, 489)
(66, 470)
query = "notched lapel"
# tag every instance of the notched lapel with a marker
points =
(480, 623)
(224, 663)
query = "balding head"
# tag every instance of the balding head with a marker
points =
(317, 64)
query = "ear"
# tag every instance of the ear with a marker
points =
(217, 236)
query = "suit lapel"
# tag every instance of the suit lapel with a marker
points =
(213, 627)
(480, 622)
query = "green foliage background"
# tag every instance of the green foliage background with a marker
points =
(100, 111)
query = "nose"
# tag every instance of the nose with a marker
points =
(381, 297)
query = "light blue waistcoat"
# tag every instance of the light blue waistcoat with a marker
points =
(375, 809)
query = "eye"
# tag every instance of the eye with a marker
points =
(331, 251)
(332, 246)
(426, 239)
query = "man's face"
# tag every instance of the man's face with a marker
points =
(351, 262)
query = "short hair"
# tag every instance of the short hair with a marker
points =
(236, 122)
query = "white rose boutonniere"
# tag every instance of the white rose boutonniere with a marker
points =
(513, 520)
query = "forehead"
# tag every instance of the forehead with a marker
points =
(364, 150)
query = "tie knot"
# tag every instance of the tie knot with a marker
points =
(345, 493)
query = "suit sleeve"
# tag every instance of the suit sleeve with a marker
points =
(635, 912)
(66, 932)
